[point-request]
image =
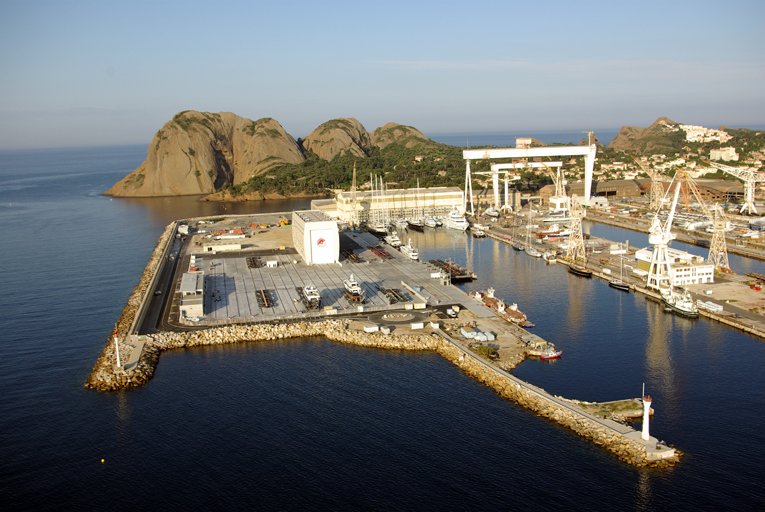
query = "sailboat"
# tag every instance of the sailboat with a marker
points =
(620, 284)
(416, 223)
(531, 251)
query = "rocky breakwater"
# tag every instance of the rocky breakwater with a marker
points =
(513, 389)
(105, 368)
(105, 378)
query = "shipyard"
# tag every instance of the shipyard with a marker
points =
(342, 270)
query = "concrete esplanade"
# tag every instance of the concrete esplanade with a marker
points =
(150, 324)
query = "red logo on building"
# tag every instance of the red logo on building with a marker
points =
(321, 242)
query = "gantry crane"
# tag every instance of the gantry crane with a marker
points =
(657, 189)
(718, 249)
(659, 236)
(575, 248)
(750, 178)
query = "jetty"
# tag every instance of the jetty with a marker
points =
(254, 295)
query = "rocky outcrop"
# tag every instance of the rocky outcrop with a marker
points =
(663, 134)
(399, 134)
(197, 152)
(338, 137)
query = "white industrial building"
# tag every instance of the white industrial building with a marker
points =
(394, 204)
(192, 294)
(685, 268)
(316, 237)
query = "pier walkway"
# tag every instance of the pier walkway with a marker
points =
(614, 426)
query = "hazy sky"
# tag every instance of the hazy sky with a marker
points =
(92, 73)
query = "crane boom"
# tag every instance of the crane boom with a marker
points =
(750, 179)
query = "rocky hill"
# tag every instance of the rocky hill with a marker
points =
(198, 152)
(663, 134)
(203, 153)
(399, 134)
(338, 137)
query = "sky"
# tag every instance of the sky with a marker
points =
(75, 73)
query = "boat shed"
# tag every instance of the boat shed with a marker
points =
(192, 294)
(316, 237)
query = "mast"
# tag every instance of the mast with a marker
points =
(354, 216)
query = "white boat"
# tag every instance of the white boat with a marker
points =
(438, 222)
(378, 228)
(680, 303)
(410, 251)
(531, 251)
(393, 240)
(491, 212)
(352, 287)
(401, 224)
(430, 222)
(456, 221)
(550, 257)
(311, 293)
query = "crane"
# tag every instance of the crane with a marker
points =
(559, 199)
(657, 189)
(575, 240)
(750, 179)
(659, 236)
(718, 249)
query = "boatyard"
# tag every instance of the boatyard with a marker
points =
(258, 287)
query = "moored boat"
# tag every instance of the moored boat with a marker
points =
(415, 224)
(550, 257)
(410, 251)
(680, 303)
(551, 354)
(532, 251)
(430, 222)
(393, 240)
(579, 270)
(491, 212)
(619, 285)
(456, 221)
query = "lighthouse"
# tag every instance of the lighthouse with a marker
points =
(646, 413)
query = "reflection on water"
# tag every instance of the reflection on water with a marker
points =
(658, 357)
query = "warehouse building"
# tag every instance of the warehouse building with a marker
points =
(684, 268)
(192, 294)
(394, 204)
(316, 237)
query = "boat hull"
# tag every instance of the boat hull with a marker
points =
(580, 271)
(681, 311)
(619, 285)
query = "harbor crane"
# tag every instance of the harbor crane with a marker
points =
(657, 189)
(659, 236)
(718, 248)
(750, 179)
(576, 248)
(558, 200)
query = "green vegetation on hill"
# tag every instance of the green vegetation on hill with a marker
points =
(395, 163)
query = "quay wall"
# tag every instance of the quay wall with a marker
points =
(104, 378)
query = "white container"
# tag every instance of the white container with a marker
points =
(417, 325)
(371, 328)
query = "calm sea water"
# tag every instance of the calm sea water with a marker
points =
(314, 425)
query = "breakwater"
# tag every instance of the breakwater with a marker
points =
(105, 378)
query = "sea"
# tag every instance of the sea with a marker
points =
(309, 424)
